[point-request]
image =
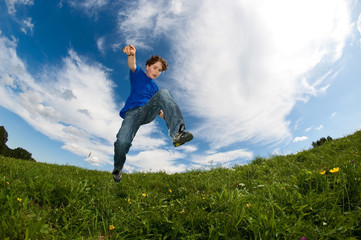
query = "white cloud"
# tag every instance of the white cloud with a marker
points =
(155, 160)
(359, 26)
(300, 139)
(319, 128)
(100, 45)
(223, 158)
(27, 25)
(90, 7)
(308, 129)
(12, 3)
(146, 20)
(72, 103)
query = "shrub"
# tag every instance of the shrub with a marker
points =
(321, 141)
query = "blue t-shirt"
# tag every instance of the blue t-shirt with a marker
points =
(142, 89)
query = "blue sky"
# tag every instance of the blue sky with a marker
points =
(252, 78)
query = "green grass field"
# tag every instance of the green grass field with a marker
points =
(314, 194)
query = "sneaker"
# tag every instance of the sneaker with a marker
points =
(181, 138)
(117, 175)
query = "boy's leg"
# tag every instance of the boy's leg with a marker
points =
(162, 100)
(125, 136)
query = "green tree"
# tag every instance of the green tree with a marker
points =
(3, 140)
(19, 153)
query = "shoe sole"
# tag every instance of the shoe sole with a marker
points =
(117, 180)
(115, 177)
(184, 140)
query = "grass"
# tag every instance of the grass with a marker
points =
(314, 194)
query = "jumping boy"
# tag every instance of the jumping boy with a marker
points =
(143, 105)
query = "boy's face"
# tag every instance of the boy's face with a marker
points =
(153, 71)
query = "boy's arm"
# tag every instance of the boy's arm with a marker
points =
(130, 51)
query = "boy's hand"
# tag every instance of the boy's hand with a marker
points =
(161, 114)
(129, 50)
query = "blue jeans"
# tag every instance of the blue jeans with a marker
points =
(134, 118)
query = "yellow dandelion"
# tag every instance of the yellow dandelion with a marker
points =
(322, 172)
(204, 198)
(7, 183)
(335, 170)
(170, 190)
(181, 212)
(248, 205)
(19, 199)
(111, 227)
(144, 194)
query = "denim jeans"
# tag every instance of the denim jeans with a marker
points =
(134, 118)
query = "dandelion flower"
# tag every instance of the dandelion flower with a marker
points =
(204, 198)
(335, 170)
(144, 194)
(7, 183)
(181, 212)
(111, 227)
(170, 190)
(248, 205)
(322, 172)
(19, 199)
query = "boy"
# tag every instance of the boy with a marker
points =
(144, 103)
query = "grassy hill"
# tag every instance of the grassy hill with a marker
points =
(314, 194)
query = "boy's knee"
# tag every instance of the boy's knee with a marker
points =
(122, 143)
(164, 93)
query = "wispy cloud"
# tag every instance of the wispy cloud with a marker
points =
(243, 81)
(90, 7)
(223, 158)
(300, 139)
(145, 21)
(319, 128)
(27, 25)
(156, 160)
(100, 45)
(359, 26)
(308, 129)
(55, 102)
(11, 5)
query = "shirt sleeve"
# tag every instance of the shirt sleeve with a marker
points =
(134, 75)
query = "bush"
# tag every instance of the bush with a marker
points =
(20, 153)
(321, 141)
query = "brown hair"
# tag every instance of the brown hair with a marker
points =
(156, 58)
